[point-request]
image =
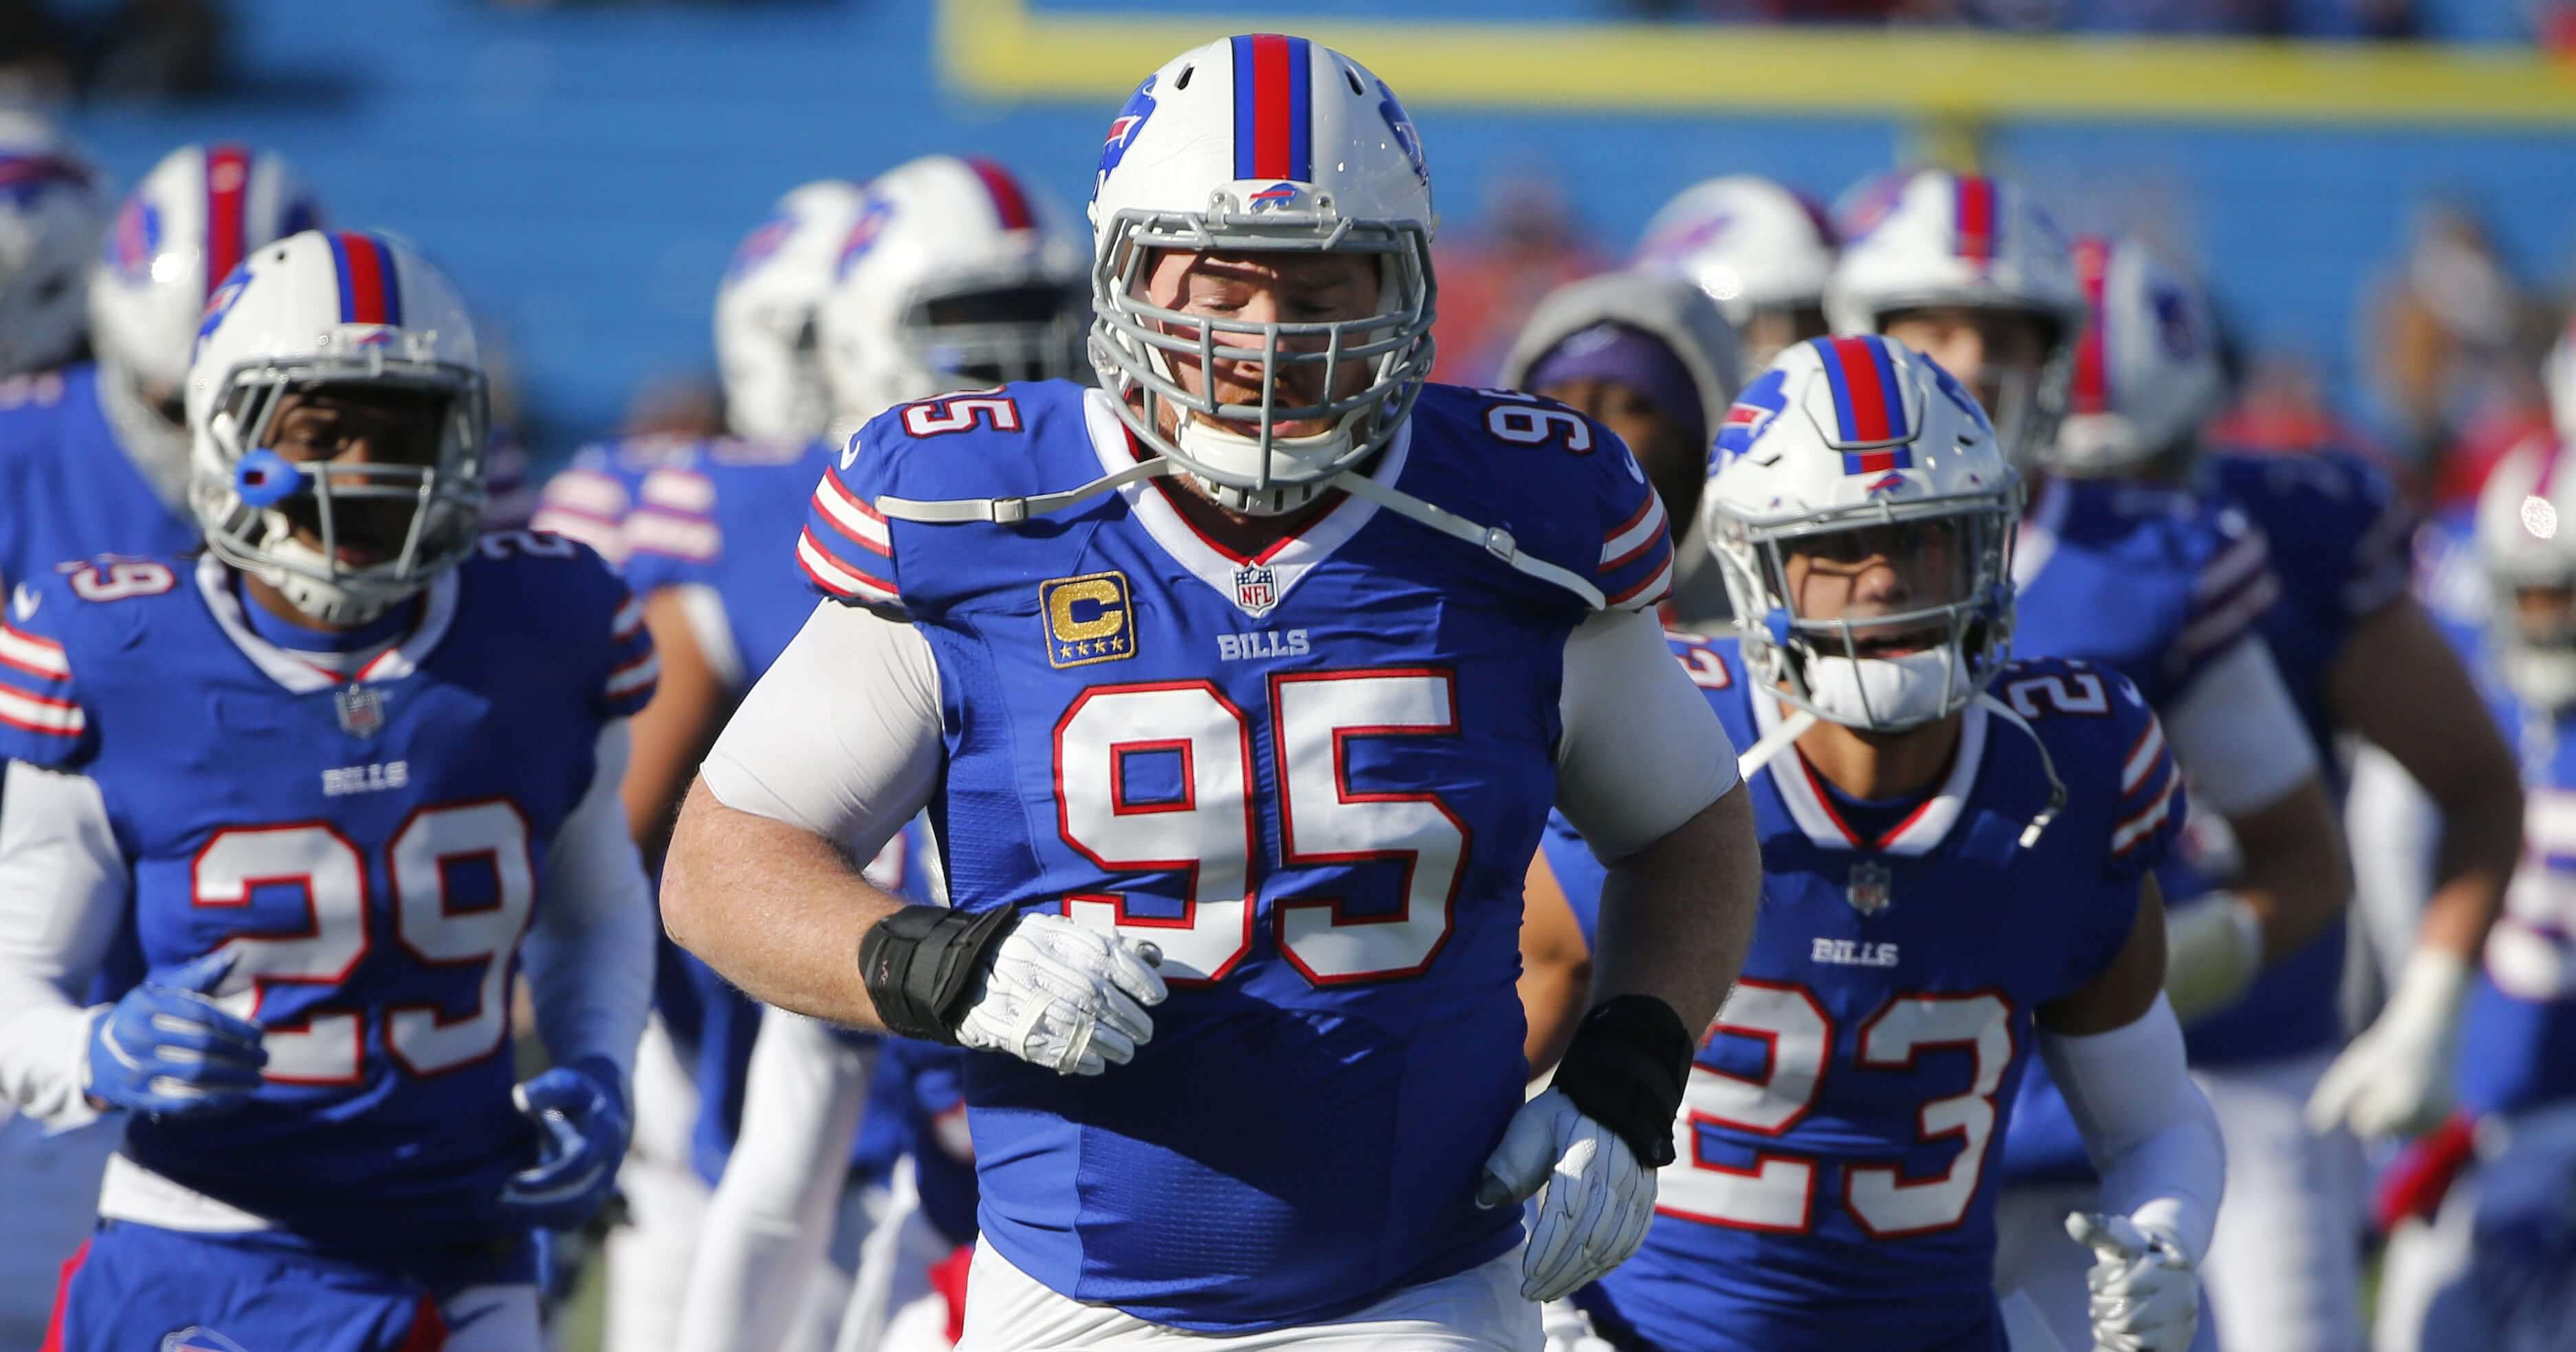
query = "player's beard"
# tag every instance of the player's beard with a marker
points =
(1887, 692)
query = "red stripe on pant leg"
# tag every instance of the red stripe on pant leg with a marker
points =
(1868, 396)
(63, 1298)
(1270, 106)
(428, 1329)
(366, 281)
(227, 187)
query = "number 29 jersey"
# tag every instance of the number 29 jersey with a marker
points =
(1313, 777)
(1832, 1188)
(371, 852)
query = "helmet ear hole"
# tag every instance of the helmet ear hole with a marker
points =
(1182, 80)
(1354, 78)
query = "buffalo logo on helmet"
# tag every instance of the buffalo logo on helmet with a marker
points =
(1276, 197)
(1401, 127)
(764, 241)
(1751, 414)
(1123, 128)
(873, 215)
(220, 303)
(134, 239)
(24, 177)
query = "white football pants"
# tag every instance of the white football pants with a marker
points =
(2284, 1271)
(648, 1258)
(1479, 1310)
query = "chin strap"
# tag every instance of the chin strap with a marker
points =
(1493, 540)
(2047, 766)
(1773, 742)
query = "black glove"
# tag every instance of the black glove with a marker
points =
(1625, 1070)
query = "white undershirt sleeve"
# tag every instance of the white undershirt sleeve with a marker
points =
(589, 952)
(843, 736)
(2146, 1126)
(771, 1218)
(64, 887)
(1642, 751)
(2238, 735)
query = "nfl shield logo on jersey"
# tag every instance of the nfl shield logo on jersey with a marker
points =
(1256, 589)
(361, 708)
(1868, 892)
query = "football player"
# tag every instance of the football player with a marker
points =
(2359, 656)
(317, 775)
(93, 460)
(1761, 250)
(1951, 877)
(656, 493)
(1265, 664)
(2493, 1267)
(953, 275)
(1651, 358)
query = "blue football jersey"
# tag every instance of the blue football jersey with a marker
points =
(70, 491)
(1313, 776)
(2338, 534)
(371, 851)
(1832, 1188)
(2518, 1030)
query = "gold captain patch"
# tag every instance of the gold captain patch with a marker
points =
(1088, 619)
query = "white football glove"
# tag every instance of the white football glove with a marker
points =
(1064, 996)
(1568, 1329)
(2213, 949)
(2395, 1079)
(2145, 1296)
(1597, 1200)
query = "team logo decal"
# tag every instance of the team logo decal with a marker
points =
(1276, 197)
(873, 215)
(221, 302)
(1088, 619)
(764, 241)
(1123, 128)
(1406, 138)
(1256, 589)
(1868, 889)
(361, 709)
(1750, 415)
(134, 240)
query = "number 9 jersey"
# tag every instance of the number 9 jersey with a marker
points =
(1312, 776)
(1833, 1186)
(370, 849)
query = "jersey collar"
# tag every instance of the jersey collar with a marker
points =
(2037, 538)
(438, 609)
(1919, 833)
(1287, 561)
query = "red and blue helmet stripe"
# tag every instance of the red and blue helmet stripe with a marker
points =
(1975, 223)
(1274, 114)
(227, 227)
(1869, 403)
(370, 292)
(1010, 204)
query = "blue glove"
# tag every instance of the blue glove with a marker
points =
(166, 1049)
(582, 1130)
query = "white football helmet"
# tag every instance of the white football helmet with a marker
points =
(336, 311)
(182, 230)
(52, 205)
(767, 342)
(1938, 240)
(1754, 246)
(2526, 529)
(1849, 447)
(2558, 382)
(955, 276)
(1253, 144)
(2146, 371)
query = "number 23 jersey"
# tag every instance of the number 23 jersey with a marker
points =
(1832, 1187)
(371, 852)
(1313, 777)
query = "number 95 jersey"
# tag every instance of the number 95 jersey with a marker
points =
(1313, 777)
(1832, 1188)
(370, 851)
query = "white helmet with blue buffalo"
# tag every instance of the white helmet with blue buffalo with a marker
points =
(51, 209)
(1760, 249)
(361, 318)
(768, 332)
(955, 276)
(182, 230)
(2146, 373)
(1254, 144)
(1845, 450)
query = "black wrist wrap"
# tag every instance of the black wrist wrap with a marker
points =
(920, 961)
(1625, 1070)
